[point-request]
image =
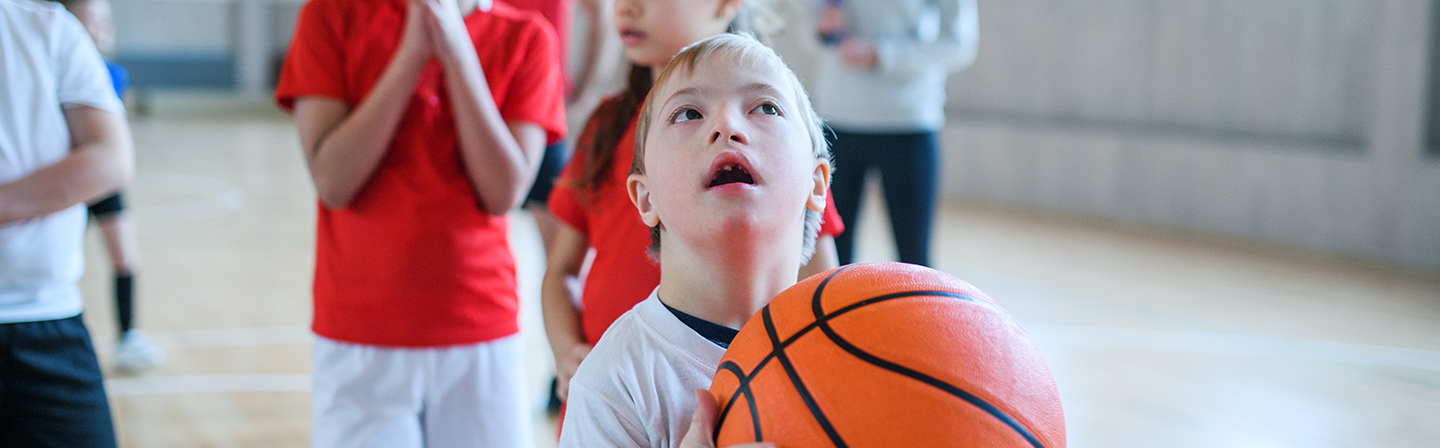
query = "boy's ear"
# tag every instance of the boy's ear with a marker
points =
(640, 196)
(821, 177)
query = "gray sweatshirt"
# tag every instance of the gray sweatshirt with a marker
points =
(918, 43)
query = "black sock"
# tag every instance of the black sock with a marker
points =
(124, 301)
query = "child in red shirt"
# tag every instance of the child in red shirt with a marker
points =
(595, 210)
(421, 122)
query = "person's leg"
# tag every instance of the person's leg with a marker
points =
(124, 302)
(134, 351)
(122, 246)
(477, 397)
(366, 396)
(908, 176)
(847, 185)
(121, 243)
(51, 391)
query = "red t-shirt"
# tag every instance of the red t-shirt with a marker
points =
(413, 261)
(557, 12)
(622, 273)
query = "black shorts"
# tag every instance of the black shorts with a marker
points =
(51, 389)
(550, 166)
(108, 206)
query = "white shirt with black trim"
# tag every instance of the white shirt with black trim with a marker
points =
(636, 388)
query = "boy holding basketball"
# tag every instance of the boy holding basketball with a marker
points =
(730, 173)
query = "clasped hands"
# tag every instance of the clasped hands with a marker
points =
(437, 28)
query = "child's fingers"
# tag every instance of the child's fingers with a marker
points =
(702, 423)
(704, 412)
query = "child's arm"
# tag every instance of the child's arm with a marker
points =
(501, 158)
(343, 147)
(557, 302)
(100, 162)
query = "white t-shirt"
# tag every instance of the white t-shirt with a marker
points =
(636, 388)
(49, 62)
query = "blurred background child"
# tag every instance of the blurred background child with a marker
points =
(881, 87)
(422, 123)
(63, 142)
(134, 351)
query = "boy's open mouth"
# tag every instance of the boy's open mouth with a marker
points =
(729, 173)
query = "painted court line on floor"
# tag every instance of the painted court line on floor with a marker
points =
(1045, 336)
(199, 384)
(206, 198)
(224, 337)
(1233, 344)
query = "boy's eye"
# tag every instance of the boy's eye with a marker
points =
(767, 109)
(686, 115)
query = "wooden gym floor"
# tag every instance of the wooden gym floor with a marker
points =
(1155, 338)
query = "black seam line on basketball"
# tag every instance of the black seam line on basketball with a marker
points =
(823, 321)
(807, 328)
(799, 385)
(982, 303)
(745, 379)
(743, 389)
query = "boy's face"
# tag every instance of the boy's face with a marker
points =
(728, 153)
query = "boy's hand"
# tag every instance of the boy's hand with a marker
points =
(565, 367)
(702, 425)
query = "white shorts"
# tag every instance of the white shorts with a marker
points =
(453, 396)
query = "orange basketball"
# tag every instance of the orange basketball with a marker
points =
(886, 355)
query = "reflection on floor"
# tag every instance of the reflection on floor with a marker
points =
(1155, 338)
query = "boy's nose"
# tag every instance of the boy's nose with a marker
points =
(725, 128)
(736, 137)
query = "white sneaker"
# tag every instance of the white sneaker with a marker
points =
(136, 352)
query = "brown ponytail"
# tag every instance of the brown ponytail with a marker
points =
(608, 125)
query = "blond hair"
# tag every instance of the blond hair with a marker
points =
(746, 51)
